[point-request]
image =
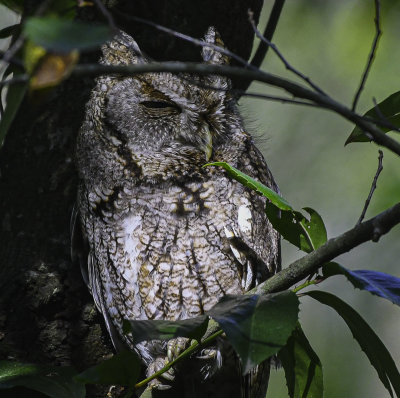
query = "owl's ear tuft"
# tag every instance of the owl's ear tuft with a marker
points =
(122, 50)
(211, 55)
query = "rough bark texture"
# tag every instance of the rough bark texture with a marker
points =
(46, 314)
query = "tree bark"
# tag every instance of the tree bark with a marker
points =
(46, 313)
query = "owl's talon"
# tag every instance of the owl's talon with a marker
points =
(169, 375)
(207, 353)
(175, 347)
(156, 366)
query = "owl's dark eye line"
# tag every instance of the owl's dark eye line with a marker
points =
(159, 105)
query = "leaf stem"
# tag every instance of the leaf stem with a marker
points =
(306, 284)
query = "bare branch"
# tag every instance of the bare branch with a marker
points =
(14, 61)
(373, 187)
(371, 55)
(263, 47)
(275, 98)
(106, 14)
(15, 80)
(18, 43)
(293, 88)
(289, 67)
(187, 38)
(369, 230)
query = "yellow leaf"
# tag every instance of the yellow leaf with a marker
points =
(52, 69)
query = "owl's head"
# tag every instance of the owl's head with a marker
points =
(158, 112)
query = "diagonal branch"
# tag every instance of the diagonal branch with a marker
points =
(289, 67)
(372, 230)
(293, 88)
(187, 38)
(371, 55)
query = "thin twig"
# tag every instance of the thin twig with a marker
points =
(17, 45)
(281, 57)
(106, 14)
(371, 55)
(293, 88)
(275, 98)
(15, 80)
(13, 61)
(269, 31)
(188, 38)
(241, 93)
(373, 187)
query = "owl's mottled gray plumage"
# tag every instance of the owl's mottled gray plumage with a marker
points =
(167, 237)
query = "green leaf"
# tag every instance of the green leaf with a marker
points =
(378, 283)
(307, 235)
(257, 326)
(55, 382)
(193, 328)
(15, 95)
(389, 108)
(369, 342)
(122, 369)
(251, 183)
(303, 369)
(64, 35)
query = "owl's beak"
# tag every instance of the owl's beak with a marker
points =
(208, 145)
(207, 141)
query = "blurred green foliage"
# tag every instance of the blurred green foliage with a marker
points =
(329, 41)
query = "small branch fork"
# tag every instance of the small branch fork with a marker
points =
(289, 67)
(373, 187)
(263, 47)
(371, 56)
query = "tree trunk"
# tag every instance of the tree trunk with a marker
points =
(46, 313)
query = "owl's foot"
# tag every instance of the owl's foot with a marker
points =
(176, 346)
(156, 366)
(207, 353)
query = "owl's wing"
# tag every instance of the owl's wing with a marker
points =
(82, 256)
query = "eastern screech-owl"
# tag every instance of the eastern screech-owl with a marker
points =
(167, 237)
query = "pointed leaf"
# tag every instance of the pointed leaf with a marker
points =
(193, 328)
(52, 69)
(64, 35)
(15, 95)
(257, 326)
(375, 282)
(122, 369)
(369, 342)
(303, 369)
(55, 382)
(251, 183)
(306, 234)
(389, 108)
